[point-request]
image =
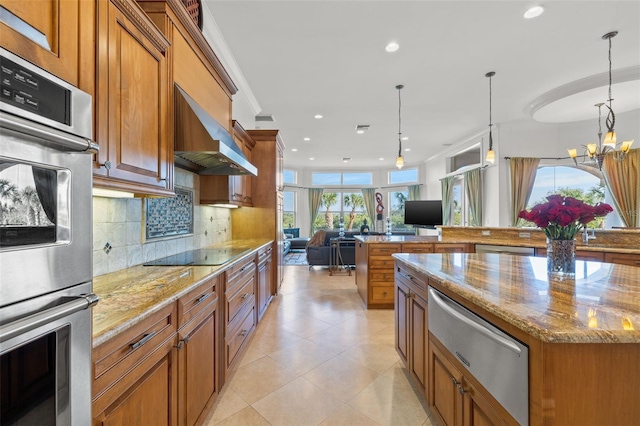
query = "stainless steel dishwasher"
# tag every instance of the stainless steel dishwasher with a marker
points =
(498, 361)
(518, 251)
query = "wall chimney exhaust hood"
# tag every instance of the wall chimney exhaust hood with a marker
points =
(202, 145)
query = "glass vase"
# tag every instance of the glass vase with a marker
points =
(561, 258)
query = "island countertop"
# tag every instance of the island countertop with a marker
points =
(130, 295)
(601, 305)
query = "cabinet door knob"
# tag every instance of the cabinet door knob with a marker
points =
(461, 390)
(454, 381)
(106, 165)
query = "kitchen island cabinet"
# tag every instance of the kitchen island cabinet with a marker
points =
(581, 336)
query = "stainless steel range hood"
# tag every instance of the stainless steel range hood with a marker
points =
(202, 145)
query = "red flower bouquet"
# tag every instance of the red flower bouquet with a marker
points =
(562, 218)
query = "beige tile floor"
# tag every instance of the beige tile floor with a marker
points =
(319, 358)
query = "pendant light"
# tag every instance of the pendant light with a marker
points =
(399, 160)
(491, 156)
(597, 151)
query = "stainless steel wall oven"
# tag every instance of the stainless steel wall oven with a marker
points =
(45, 247)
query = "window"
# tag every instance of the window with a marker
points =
(403, 176)
(346, 205)
(458, 199)
(396, 210)
(320, 179)
(567, 181)
(289, 209)
(289, 176)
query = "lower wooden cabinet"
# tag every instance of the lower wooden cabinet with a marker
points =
(453, 398)
(265, 274)
(411, 333)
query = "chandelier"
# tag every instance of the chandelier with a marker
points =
(596, 152)
(491, 156)
(399, 160)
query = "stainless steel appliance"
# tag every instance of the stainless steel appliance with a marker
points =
(45, 247)
(498, 361)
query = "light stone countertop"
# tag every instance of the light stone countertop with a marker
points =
(131, 295)
(602, 304)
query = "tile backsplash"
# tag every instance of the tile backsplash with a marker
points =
(118, 233)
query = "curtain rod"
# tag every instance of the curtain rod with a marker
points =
(550, 158)
(461, 173)
(349, 188)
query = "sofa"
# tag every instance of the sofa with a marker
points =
(320, 255)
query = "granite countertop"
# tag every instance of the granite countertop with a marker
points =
(130, 295)
(497, 239)
(602, 304)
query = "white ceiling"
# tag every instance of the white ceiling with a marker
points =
(302, 58)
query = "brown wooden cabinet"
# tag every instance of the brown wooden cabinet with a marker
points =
(133, 125)
(233, 189)
(453, 248)
(239, 317)
(622, 258)
(60, 38)
(453, 398)
(265, 274)
(198, 364)
(264, 220)
(134, 374)
(411, 329)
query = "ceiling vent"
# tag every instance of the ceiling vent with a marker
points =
(361, 128)
(346, 159)
(268, 118)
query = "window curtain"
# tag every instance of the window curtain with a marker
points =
(369, 195)
(315, 200)
(623, 180)
(414, 192)
(473, 188)
(523, 175)
(447, 199)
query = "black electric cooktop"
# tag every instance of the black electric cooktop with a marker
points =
(200, 257)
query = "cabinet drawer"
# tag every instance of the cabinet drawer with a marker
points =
(622, 258)
(202, 297)
(384, 249)
(380, 262)
(416, 282)
(417, 248)
(264, 255)
(451, 248)
(381, 275)
(114, 358)
(240, 267)
(237, 300)
(235, 340)
(239, 275)
(382, 294)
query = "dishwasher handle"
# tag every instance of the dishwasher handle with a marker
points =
(474, 324)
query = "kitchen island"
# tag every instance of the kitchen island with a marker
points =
(582, 335)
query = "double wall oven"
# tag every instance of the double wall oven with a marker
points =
(45, 247)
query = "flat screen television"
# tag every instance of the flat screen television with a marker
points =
(423, 213)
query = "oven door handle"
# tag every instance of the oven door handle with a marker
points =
(31, 322)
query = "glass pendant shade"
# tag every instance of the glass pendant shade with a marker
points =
(626, 146)
(591, 149)
(610, 139)
(399, 162)
(573, 153)
(491, 156)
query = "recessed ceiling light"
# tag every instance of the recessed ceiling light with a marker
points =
(392, 47)
(381, 158)
(318, 116)
(407, 149)
(307, 139)
(294, 149)
(360, 131)
(311, 158)
(346, 159)
(405, 138)
(533, 12)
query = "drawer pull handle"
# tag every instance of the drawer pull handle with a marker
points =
(244, 296)
(203, 298)
(142, 341)
(244, 333)
(454, 381)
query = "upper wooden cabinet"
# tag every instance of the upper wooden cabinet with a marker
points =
(133, 130)
(51, 37)
(232, 189)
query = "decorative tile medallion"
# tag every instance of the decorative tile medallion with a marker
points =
(167, 217)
